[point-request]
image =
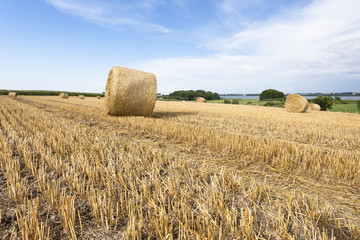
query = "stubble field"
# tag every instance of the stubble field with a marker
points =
(191, 171)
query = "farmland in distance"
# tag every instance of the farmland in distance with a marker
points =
(191, 171)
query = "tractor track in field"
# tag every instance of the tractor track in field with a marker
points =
(9, 225)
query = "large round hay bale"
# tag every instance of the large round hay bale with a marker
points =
(200, 100)
(64, 95)
(12, 94)
(296, 103)
(98, 97)
(130, 92)
(314, 107)
(81, 96)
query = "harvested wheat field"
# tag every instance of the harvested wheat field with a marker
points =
(191, 171)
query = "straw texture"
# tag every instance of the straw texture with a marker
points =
(296, 103)
(81, 96)
(200, 100)
(12, 94)
(314, 107)
(130, 92)
(64, 95)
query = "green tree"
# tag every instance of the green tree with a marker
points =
(358, 104)
(337, 100)
(192, 95)
(271, 94)
(325, 103)
(235, 101)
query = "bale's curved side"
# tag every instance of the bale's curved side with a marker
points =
(81, 96)
(64, 95)
(314, 107)
(130, 92)
(296, 103)
(200, 100)
(12, 94)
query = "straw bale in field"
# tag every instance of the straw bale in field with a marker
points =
(81, 96)
(130, 92)
(314, 107)
(98, 97)
(200, 100)
(296, 103)
(12, 94)
(64, 95)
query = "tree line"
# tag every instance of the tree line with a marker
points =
(190, 95)
(48, 93)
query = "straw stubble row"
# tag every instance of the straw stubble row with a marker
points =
(144, 188)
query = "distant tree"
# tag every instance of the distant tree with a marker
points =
(271, 94)
(227, 101)
(325, 103)
(191, 95)
(235, 101)
(358, 104)
(337, 100)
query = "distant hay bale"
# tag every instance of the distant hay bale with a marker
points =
(314, 107)
(64, 95)
(98, 97)
(81, 96)
(296, 103)
(200, 100)
(12, 94)
(130, 92)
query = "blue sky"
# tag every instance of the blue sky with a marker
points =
(227, 46)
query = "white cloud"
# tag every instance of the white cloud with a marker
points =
(180, 3)
(234, 6)
(101, 12)
(308, 49)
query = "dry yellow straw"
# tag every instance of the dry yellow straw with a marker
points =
(12, 94)
(296, 103)
(200, 100)
(314, 107)
(130, 92)
(64, 95)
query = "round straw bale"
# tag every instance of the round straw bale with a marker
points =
(314, 107)
(98, 97)
(296, 103)
(12, 94)
(64, 95)
(81, 96)
(130, 92)
(200, 100)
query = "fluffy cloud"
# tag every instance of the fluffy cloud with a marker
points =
(314, 48)
(113, 14)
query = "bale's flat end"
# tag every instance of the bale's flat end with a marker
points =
(64, 95)
(314, 107)
(200, 100)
